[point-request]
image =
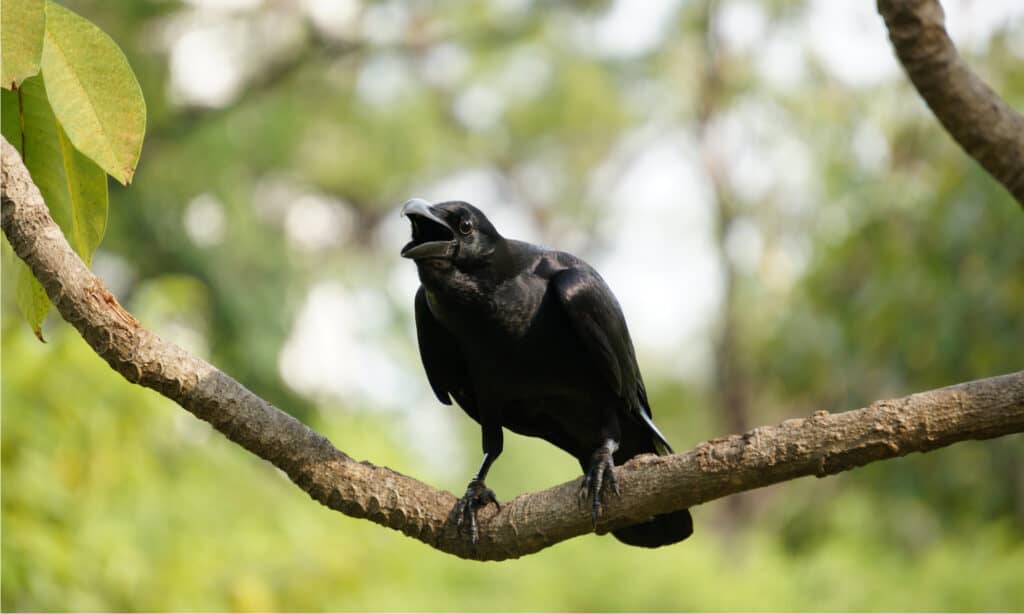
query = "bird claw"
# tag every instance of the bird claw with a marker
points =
(477, 496)
(597, 480)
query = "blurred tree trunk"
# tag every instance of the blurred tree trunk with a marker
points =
(731, 383)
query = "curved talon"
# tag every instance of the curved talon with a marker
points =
(583, 494)
(477, 496)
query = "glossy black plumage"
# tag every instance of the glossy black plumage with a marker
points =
(532, 340)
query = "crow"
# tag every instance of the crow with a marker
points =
(532, 340)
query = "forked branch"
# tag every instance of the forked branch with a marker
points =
(820, 445)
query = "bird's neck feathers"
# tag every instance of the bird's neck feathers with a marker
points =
(469, 283)
(499, 264)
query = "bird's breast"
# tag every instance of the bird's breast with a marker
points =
(502, 314)
(518, 342)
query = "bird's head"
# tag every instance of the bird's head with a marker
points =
(450, 234)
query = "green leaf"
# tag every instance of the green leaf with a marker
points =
(93, 92)
(31, 298)
(21, 40)
(10, 118)
(73, 186)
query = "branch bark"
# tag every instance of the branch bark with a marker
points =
(988, 129)
(820, 445)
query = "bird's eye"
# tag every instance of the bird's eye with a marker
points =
(465, 226)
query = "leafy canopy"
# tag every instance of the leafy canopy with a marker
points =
(74, 109)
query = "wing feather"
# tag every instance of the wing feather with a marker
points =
(597, 318)
(443, 359)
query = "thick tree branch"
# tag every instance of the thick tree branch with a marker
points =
(820, 445)
(976, 117)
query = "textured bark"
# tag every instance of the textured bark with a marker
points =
(976, 117)
(820, 445)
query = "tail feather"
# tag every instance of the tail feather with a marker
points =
(644, 413)
(664, 529)
(659, 531)
(660, 443)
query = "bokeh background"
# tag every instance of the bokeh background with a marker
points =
(786, 225)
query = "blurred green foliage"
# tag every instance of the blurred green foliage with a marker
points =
(885, 265)
(115, 499)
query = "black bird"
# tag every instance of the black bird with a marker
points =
(532, 340)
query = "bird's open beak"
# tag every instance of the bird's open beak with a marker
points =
(431, 235)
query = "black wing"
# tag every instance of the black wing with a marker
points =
(442, 358)
(597, 318)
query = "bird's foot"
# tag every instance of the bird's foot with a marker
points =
(598, 479)
(477, 496)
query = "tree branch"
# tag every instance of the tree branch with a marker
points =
(820, 445)
(976, 117)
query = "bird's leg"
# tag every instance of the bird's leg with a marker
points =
(599, 477)
(477, 494)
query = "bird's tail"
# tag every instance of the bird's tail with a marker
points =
(659, 531)
(664, 529)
